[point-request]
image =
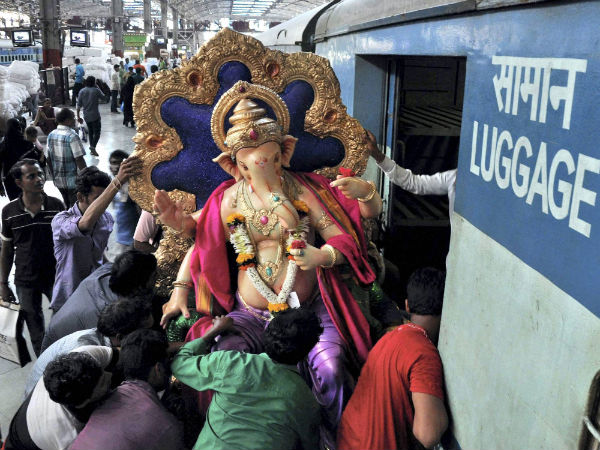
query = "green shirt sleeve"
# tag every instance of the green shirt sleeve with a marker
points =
(196, 367)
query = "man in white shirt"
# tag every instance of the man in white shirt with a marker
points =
(62, 401)
(115, 85)
(441, 183)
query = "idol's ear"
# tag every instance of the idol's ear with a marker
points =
(227, 164)
(288, 145)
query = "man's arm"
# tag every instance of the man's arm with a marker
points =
(129, 167)
(80, 162)
(7, 255)
(431, 419)
(194, 365)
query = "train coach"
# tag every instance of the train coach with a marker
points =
(10, 53)
(507, 92)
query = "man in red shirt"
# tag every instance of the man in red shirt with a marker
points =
(399, 396)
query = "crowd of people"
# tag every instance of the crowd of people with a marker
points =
(103, 374)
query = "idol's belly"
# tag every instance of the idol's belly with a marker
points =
(303, 286)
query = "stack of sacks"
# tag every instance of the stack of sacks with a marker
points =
(12, 96)
(25, 73)
(99, 68)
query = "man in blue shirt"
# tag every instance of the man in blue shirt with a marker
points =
(78, 86)
(87, 100)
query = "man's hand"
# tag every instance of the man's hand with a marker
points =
(130, 167)
(220, 325)
(372, 146)
(6, 293)
(352, 187)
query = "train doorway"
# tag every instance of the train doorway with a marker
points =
(422, 123)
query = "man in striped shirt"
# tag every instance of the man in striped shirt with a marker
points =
(65, 155)
(27, 240)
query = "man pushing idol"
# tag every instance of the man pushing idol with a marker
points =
(273, 218)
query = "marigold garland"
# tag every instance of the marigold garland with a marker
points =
(246, 259)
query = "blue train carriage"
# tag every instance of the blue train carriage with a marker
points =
(10, 53)
(507, 91)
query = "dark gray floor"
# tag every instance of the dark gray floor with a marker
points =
(12, 378)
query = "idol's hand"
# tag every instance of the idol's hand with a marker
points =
(352, 187)
(310, 257)
(176, 305)
(169, 212)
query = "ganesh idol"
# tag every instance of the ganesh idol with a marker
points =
(293, 240)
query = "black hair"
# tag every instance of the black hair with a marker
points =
(116, 66)
(88, 178)
(16, 171)
(425, 291)
(137, 61)
(77, 60)
(90, 81)
(124, 316)
(71, 379)
(118, 154)
(291, 335)
(131, 271)
(153, 68)
(31, 131)
(130, 69)
(64, 114)
(140, 351)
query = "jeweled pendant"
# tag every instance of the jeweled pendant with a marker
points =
(269, 272)
(264, 220)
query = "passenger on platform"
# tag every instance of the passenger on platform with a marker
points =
(400, 393)
(62, 401)
(441, 183)
(133, 274)
(115, 322)
(81, 233)
(65, 156)
(87, 100)
(115, 87)
(260, 400)
(45, 117)
(142, 71)
(127, 65)
(153, 69)
(78, 86)
(127, 96)
(12, 149)
(132, 417)
(27, 240)
(127, 212)
(122, 76)
(148, 233)
(137, 76)
(37, 152)
(163, 64)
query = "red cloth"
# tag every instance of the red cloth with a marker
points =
(209, 261)
(379, 414)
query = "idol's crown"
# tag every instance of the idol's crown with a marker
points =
(250, 125)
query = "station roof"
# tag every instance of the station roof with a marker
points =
(200, 10)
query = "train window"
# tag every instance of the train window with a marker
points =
(590, 433)
(426, 100)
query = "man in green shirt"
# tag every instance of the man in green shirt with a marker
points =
(260, 401)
